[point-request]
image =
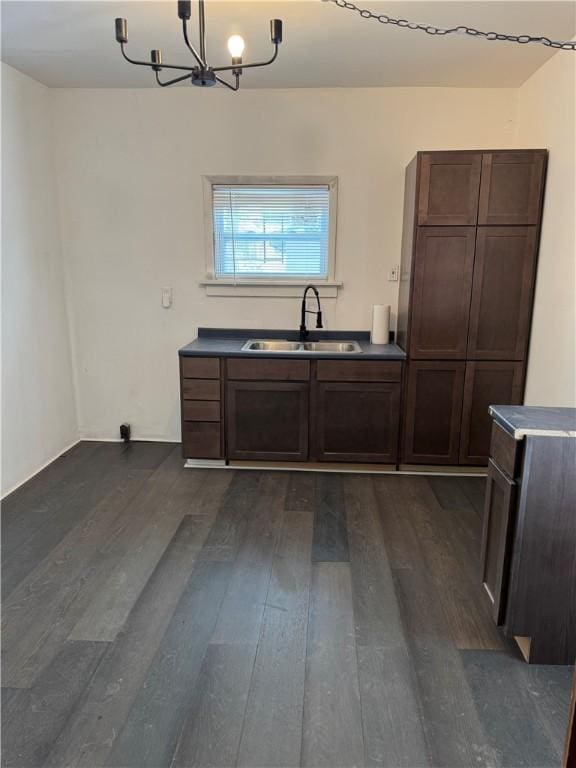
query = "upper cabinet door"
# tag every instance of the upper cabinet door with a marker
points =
(442, 284)
(511, 188)
(501, 308)
(449, 188)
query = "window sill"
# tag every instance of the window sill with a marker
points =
(328, 289)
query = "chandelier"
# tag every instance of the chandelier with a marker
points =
(201, 74)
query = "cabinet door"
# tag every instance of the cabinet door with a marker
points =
(448, 188)
(511, 188)
(433, 412)
(486, 383)
(356, 422)
(499, 508)
(443, 268)
(267, 420)
(502, 291)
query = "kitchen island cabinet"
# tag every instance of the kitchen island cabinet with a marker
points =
(529, 534)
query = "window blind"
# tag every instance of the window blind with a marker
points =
(278, 232)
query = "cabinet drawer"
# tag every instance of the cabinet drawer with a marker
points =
(505, 451)
(201, 389)
(359, 370)
(201, 440)
(268, 370)
(201, 367)
(201, 410)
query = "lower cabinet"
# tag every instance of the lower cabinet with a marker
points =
(486, 383)
(433, 412)
(356, 422)
(500, 503)
(267, 420)
(338, 410)
(446, 417)
(279, 409)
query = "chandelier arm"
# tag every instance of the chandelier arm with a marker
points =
(247, 66)
(232, 87)
(189, 45)
(150, 65)
(171, 82)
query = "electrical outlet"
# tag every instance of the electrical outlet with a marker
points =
(394, 274)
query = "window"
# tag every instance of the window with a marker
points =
(271, 232)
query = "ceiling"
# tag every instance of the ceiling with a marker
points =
(70, 43)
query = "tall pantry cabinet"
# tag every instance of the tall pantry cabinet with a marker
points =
(469, 251)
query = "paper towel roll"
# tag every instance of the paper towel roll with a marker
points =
(380, 324)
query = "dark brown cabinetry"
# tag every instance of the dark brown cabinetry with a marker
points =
(443, 268)
(200, 404)
(267, 420)
(357, 422)
(504, 273)
(449, 188)
(496, 537)
(466, 292)
(356, 407)
(528, 558)
(486, 383)
(267, 406)
(433, 412)
(512, 187)
(292, 410)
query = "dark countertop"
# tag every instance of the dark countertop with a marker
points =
(226, 342)
(523, 420)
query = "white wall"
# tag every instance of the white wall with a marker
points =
(130, 166)
(38, 408)
(546, 118)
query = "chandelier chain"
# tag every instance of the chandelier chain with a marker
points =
(430, 29)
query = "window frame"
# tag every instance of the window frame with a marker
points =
(268, 286)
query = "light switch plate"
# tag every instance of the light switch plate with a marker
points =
(394, 274)
(167, 297)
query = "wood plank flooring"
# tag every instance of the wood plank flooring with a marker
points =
(156, 616)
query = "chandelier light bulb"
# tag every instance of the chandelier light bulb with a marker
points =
(236, 46)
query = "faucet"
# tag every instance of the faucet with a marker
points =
(303, 311)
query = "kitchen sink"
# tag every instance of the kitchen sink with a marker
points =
(332, 346)
(261, 345)
(321, 347)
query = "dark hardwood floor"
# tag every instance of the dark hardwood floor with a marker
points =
(156, 616)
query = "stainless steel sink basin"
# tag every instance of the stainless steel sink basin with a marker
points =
(321, 347)
(332, 346)
(263, 345)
